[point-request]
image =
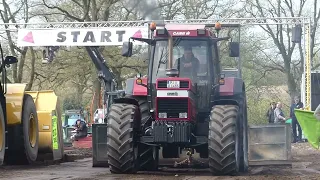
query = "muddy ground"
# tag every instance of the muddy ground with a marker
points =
(306, 165)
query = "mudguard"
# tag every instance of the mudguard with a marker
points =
(232, 86)
(50, 124)
(14, 101)
(132, 88)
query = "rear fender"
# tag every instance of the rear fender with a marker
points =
(50, 124)
(14, 102)
(132, 88)
(231, 93)
(232, 86)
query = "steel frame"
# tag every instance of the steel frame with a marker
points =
(305, 22)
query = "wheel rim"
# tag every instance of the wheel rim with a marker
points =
(1, 135)
(32, 131)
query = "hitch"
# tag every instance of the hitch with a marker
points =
(190, 161)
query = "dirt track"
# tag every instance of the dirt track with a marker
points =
(306, 165)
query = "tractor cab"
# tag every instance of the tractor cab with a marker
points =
(183, 57)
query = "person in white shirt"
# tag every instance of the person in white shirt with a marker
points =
(278, 114)
(317, 113)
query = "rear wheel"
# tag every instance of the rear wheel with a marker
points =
(122, 131)
(224, 140)
(2, 136)
(244, 163)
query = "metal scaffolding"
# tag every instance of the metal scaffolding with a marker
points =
(117, 24)
(305, 22)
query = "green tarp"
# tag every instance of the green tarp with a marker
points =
(310, 126)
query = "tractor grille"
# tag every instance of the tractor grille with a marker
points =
(163, 84)
(172, 106)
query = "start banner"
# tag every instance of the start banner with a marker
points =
(79, 37)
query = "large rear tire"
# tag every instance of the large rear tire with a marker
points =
(123, 124)
(2, 136)
(244, 162)
(223, 140)
(24, 149)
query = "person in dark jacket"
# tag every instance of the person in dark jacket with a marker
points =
(188, 64)
(270, 112)
(81, 128)
(297, 104)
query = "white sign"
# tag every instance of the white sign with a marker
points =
(173, 84)
(172, 93)
(80, 37)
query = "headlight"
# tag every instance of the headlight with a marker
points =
(100, 121)
(183, 115)
(162, 115)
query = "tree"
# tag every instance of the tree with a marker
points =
(11, 15)
(290, 66)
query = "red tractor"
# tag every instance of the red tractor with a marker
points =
(186, 102)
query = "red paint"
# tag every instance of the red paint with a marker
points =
(139, 90)
(228, 87)
(83, 142)
(137, 34)
(182, 30)
(191, 110)
(29, 37)
(173, 79)
(183, 33)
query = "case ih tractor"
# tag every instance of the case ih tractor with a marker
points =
(184, 103)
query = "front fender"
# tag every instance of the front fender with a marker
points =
(126, 100)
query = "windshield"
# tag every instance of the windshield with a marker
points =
(190, 57)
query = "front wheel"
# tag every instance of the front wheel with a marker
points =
(223, 140)
(121, 135)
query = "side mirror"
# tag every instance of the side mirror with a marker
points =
(127, 49)
(234, 49)
(10, 60)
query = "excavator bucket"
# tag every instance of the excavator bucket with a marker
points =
(50, 125)
(270, 145)
(310, 126)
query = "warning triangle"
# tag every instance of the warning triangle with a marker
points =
(138, 34)
(29, 37)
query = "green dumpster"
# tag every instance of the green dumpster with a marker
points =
(310, 126)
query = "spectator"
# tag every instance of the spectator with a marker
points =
(81, 128)
(317, 113)
(278, 114)
(270, 112)
(297, 104)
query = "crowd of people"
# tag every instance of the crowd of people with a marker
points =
(276, 115)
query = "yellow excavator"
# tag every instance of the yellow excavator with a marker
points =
(30, 122)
